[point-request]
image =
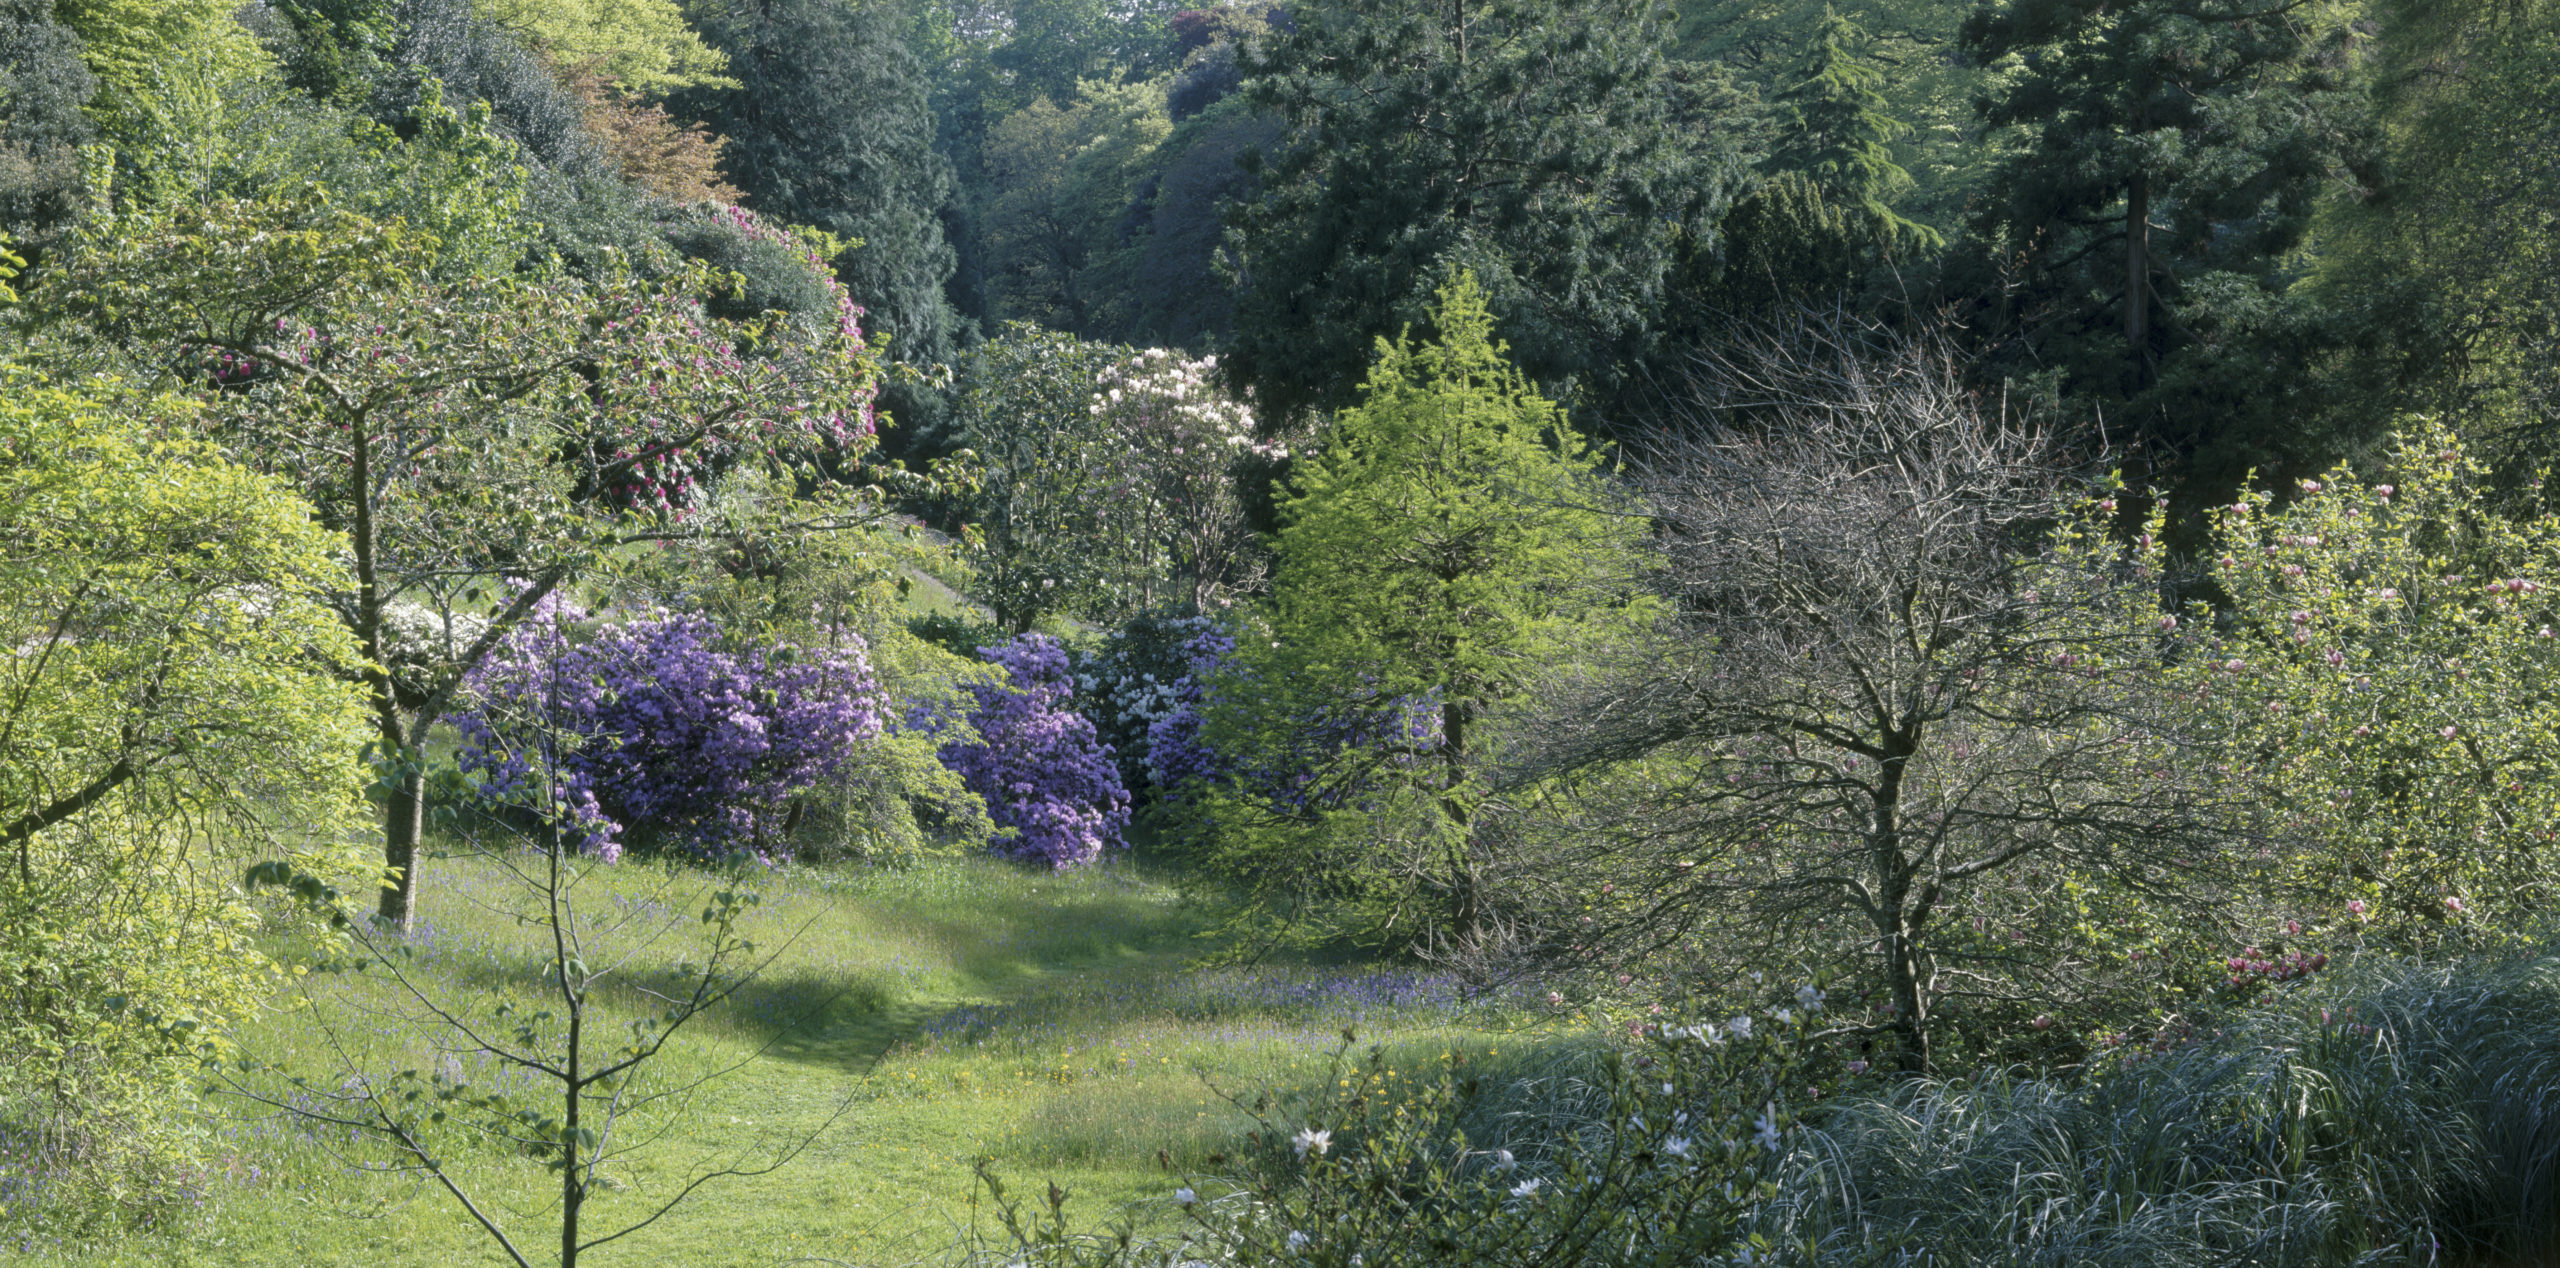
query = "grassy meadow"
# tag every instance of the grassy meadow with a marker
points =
(913, 1022)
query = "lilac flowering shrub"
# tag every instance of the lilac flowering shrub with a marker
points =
(1146, 679)
(1039, 764)
(656, 723)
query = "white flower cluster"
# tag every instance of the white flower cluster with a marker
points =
(413, 633)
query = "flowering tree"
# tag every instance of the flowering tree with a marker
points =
(1056, 517)
(1189, 446)
(656, 723)
(1036, 761)
(2385, 662)
(463, 434)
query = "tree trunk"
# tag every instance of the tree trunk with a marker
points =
(1910, 1006)
(404, 816)
(2137, 278)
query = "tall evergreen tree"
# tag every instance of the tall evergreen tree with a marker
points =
(831, 126)
(1530, 141)
(1839, 134)
(2169, 154)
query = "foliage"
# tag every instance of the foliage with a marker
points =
(174, 681)
(131, 44)
(1035, 760)
(1450, 541)
(2165, 158)
(656, 723)
(43, 85)
(464, 434)
(1904, 727)
(1057, 524)
(1529, 141)
(1053, 225)
(2381, 662)
(2397, 1117)
(2442, 267)
(673, 160)
(829, 126)
(1837, 132)
(1670, 1167)
(642, 48)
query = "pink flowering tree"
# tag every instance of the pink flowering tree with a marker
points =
(1189, 447)
(2382, 673)
(480, 441)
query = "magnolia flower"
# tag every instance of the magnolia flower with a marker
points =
(1310, 1138)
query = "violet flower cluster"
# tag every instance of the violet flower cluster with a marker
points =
(1038, 763)
(655, 722)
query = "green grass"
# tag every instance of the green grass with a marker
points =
(965, 1008)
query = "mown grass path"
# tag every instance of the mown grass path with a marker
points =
(915, 1022)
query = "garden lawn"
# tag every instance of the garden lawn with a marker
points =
(916, 1021)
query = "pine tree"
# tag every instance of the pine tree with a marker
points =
(2165, 157)
(1839, 134)
(1531, 141)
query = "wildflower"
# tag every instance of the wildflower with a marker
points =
(1765, 1128)
(1526, 1189)
(1184, 1197)
(1310, 1138)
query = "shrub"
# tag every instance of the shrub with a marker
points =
(1145, 680)
(656, 723)
(1036, 761)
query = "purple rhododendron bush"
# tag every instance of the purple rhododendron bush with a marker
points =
(658, 723)
(1043, 770)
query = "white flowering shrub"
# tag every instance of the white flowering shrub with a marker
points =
(1668, 1157)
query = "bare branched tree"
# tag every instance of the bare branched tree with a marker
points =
(1901, 726)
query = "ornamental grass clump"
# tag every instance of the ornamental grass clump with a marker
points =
(2408, 1115)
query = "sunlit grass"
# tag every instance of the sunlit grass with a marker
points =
(1059, 1023)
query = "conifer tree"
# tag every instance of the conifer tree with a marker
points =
(1438, 554)
(1839, 134)
(2165, 157)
